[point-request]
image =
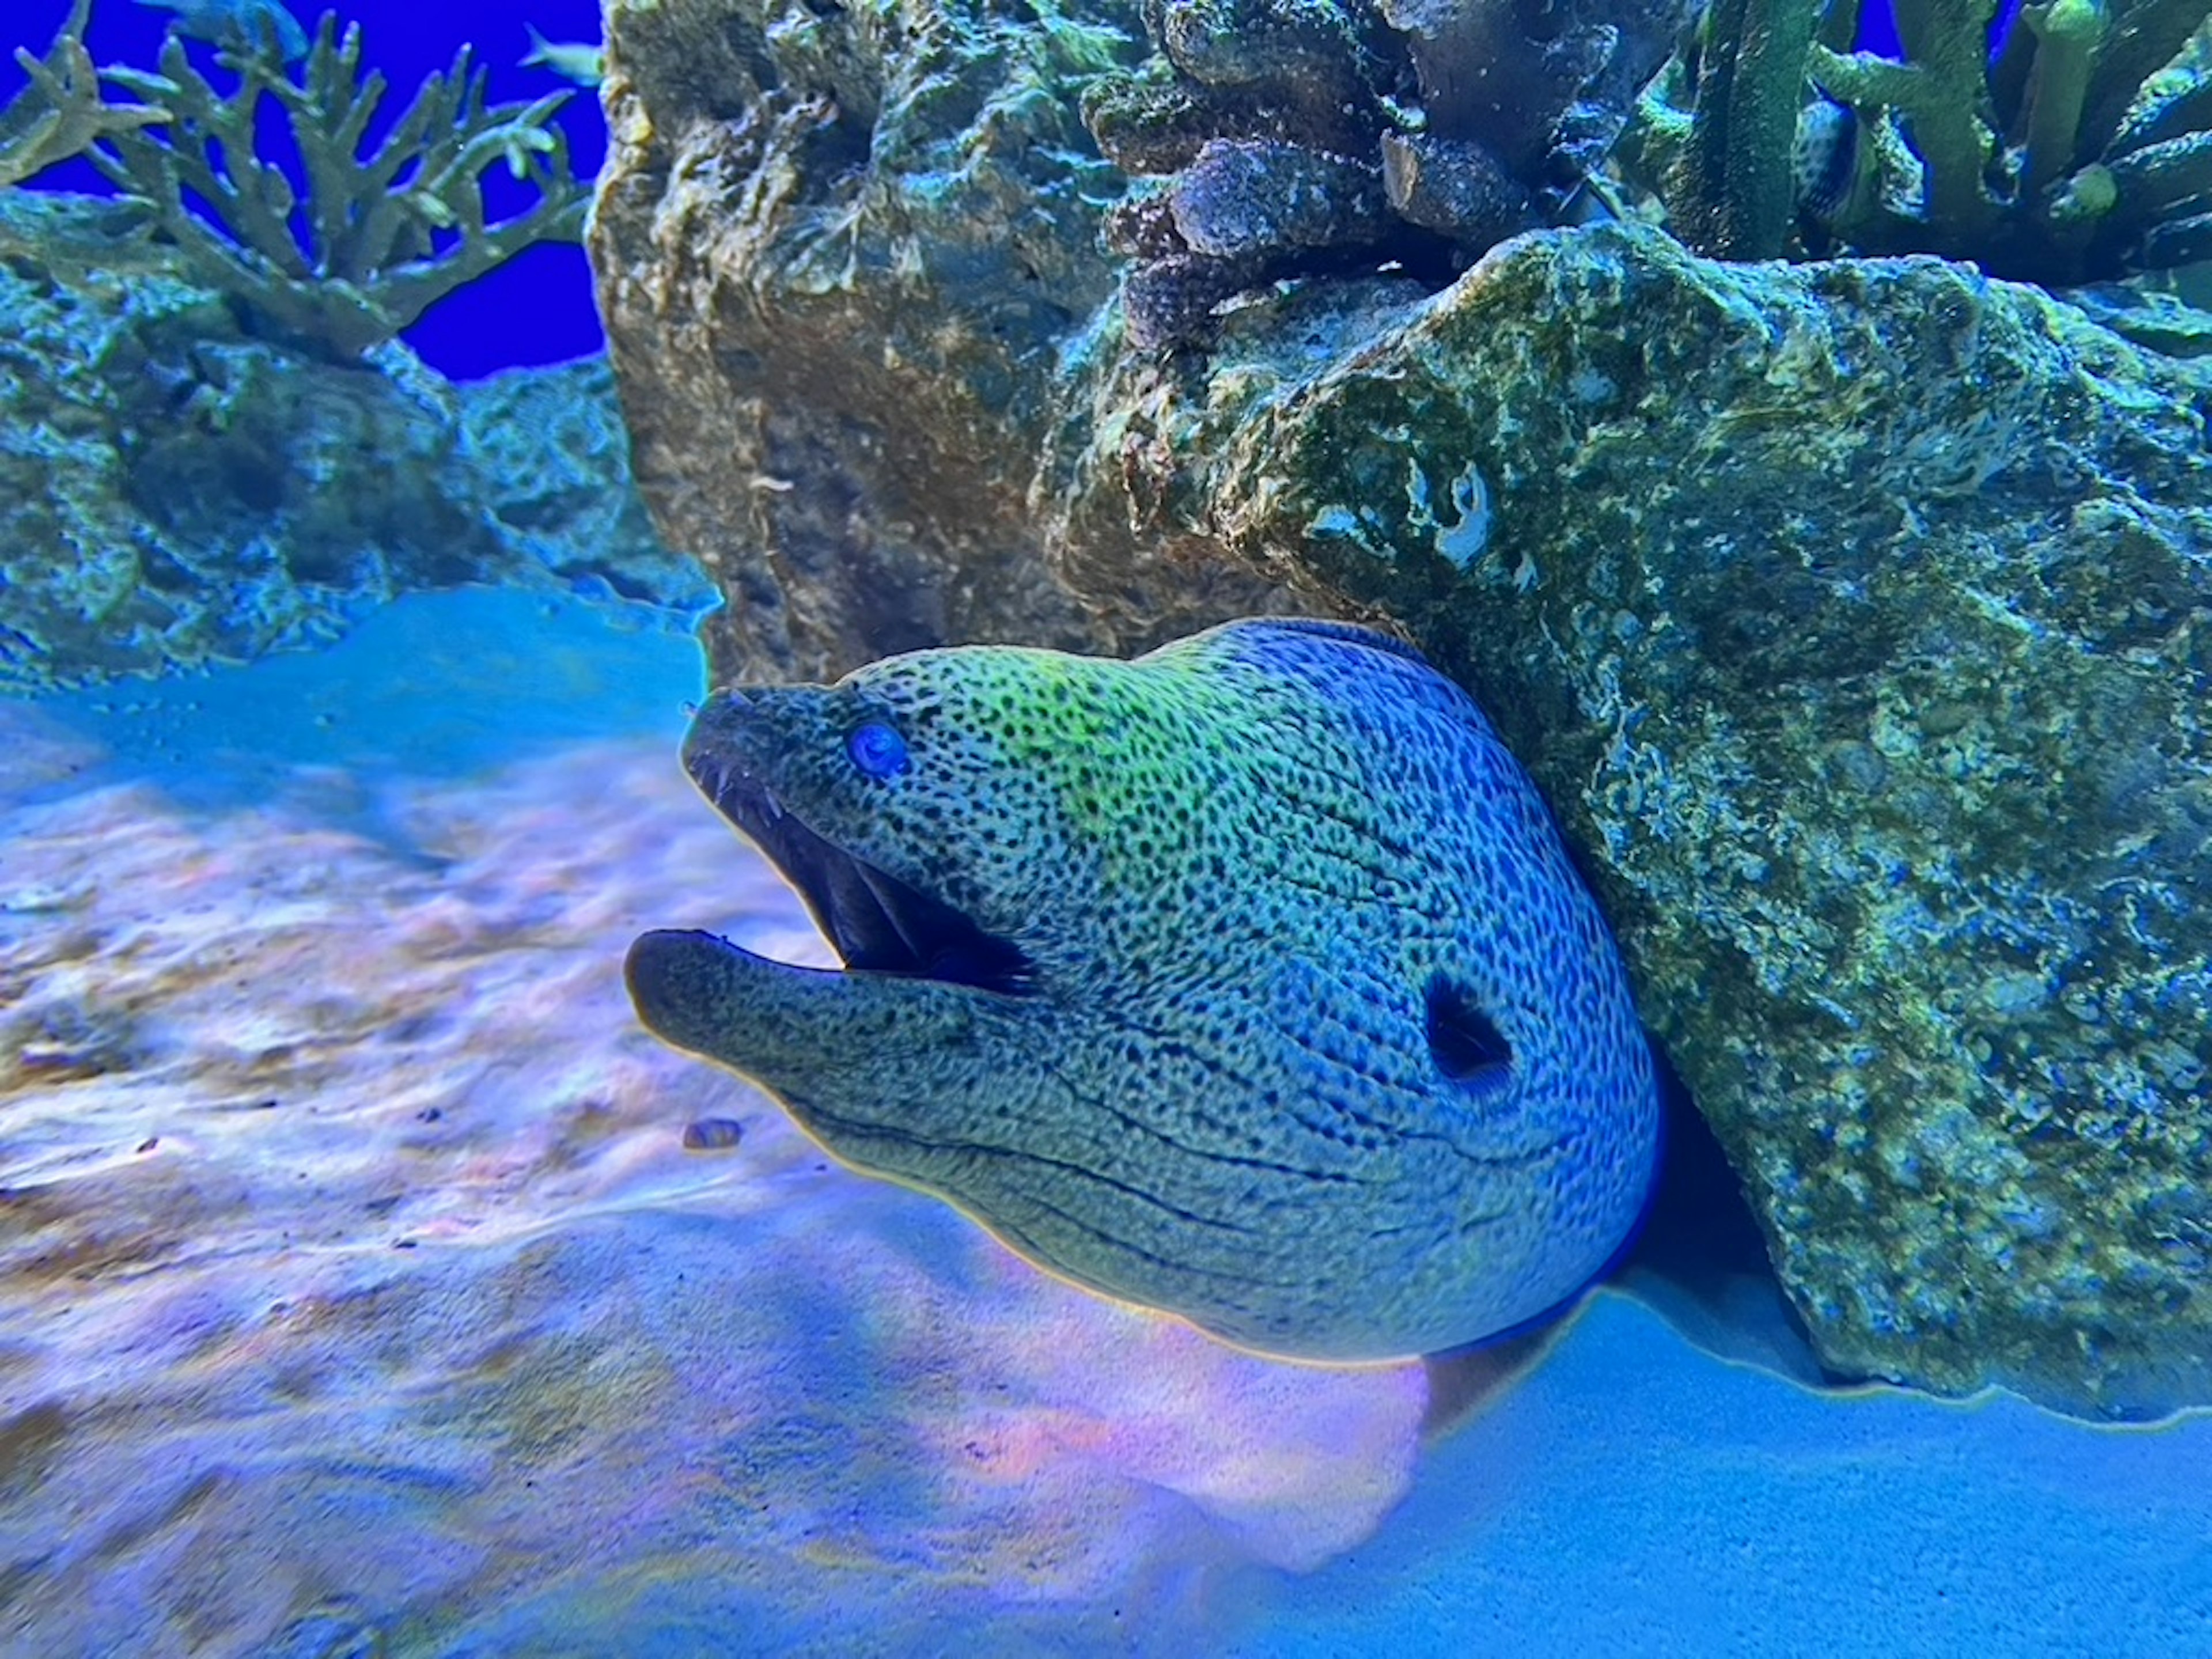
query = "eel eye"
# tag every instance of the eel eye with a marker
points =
(878, 750)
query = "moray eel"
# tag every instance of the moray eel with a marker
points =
(1248, 981)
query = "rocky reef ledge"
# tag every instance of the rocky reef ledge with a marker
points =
(1853, 616)
(179, 487)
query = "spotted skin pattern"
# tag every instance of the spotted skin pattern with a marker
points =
(1247, 871)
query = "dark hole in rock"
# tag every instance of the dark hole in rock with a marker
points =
(1700, 1261)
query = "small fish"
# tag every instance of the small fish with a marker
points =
(239, 25)
(1249, 980)
(571, 60)
(1823, 159)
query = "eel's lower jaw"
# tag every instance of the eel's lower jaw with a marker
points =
(770, 1021)
(801, 1032)
(680, 984)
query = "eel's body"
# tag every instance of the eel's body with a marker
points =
(1249, 980)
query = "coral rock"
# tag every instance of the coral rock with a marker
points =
(856, 263)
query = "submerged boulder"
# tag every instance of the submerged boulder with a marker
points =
(849, 263)
(1852, 616)
(176, 490)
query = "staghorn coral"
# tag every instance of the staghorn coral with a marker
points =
(2079, 150)
(1287, 137)
(388, 233)
(60, 114)
(1727, 159)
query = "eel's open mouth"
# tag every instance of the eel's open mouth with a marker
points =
(876, 922)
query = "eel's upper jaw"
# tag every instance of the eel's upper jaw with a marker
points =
(876, 922)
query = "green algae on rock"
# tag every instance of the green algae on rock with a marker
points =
(177, 492)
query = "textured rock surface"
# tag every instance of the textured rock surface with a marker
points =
(174, 491)
(1851, 616)
(842, 378)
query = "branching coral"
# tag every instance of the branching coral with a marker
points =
(1728, 170)
(60, 114)
(1287, 137)
(380, 236)
(2067, 155)
(2079, 148)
